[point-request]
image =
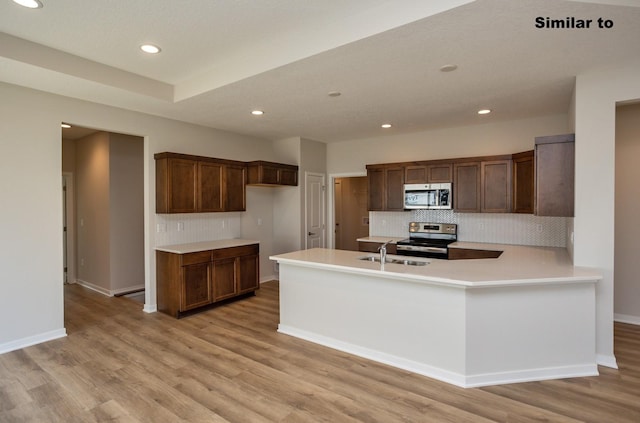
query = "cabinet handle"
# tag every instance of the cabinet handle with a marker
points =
(311, 233)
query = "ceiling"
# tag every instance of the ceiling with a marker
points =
(221, 59)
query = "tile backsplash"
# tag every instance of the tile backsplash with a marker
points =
(495, 228)
(185, 228)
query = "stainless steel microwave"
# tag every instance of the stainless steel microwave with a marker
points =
(427, 196)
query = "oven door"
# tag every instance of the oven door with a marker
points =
(422, 251)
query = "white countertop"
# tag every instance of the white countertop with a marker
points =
(518, 265)
(205, 245)
(380, 239)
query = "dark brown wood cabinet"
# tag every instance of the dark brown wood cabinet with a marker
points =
(186, 282)
(466, 186)
(195, 184)
(555, 173)
(386, 187)
(495, 183)
(428, 173)
(523, 182)
(272, 174)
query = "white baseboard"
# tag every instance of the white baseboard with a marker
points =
(268, 278)
(607, 361)
(128, 289)
(109, 292)
(626, 318)
(93, 287)
(152, 308)
(32, 340)
(461, 380)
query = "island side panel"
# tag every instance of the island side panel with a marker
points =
(414, 326)
(526, 333)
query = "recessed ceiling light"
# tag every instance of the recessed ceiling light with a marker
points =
(334, 94)
(31, 4)
(150, 48)
(448, 68)
(65, 125)
(484, 111)
(257, 112)
(386, 125)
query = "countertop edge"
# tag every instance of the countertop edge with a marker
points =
(193, 247)
(588, 276)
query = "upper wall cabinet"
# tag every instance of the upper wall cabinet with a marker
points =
(495, 182)
(555, 167)
(523, 182)
(428, 173)
(386, 187)
(272, 174)
(195, 184)
(466, 187)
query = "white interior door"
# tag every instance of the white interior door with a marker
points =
(314, 210)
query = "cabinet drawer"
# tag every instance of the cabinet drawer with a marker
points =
(243, 250)
(197, 257)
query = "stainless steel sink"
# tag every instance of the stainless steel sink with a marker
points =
(407, 262)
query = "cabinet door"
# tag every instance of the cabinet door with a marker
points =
(440, 173)
(496, 186)
(394, 188)
(377, 192)
(223, 278)
(248, 273)
(523, 182)
(466, 187)
(234, 188)
(181, 187)
(288, 177)
(210, 193)
(196, 287)
(554, 162)
(269, 175)
(415, 174)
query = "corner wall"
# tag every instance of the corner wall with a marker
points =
(627, 231)
(597, 93)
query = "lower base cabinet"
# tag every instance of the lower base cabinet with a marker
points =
(189, 281)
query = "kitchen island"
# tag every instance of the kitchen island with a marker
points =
(527, 315)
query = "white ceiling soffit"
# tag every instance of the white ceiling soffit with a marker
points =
(297, 32)
(223, 58)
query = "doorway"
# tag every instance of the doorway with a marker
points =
(351, 217)
(105, 213)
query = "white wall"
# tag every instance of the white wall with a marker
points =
(465, 141)
(596, 95)
(126, 213)
(627, 232)
(93, 211)
(31, 304)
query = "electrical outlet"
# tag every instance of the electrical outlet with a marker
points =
(481, 226)
(180, 226)
(161, 227)
(539, 228)
(259, 221)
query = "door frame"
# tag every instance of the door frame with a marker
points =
(331, 201)
(69, 213)
(323, 208)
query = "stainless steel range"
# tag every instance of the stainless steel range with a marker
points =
(428, 240)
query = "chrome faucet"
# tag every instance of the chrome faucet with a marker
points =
(383, 252)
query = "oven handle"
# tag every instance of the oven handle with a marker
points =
(427, 249)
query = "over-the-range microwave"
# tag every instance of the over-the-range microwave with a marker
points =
(427, 196)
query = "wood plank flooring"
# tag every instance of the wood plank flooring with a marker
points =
(229, 364)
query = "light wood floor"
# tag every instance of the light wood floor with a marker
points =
(230, 365)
